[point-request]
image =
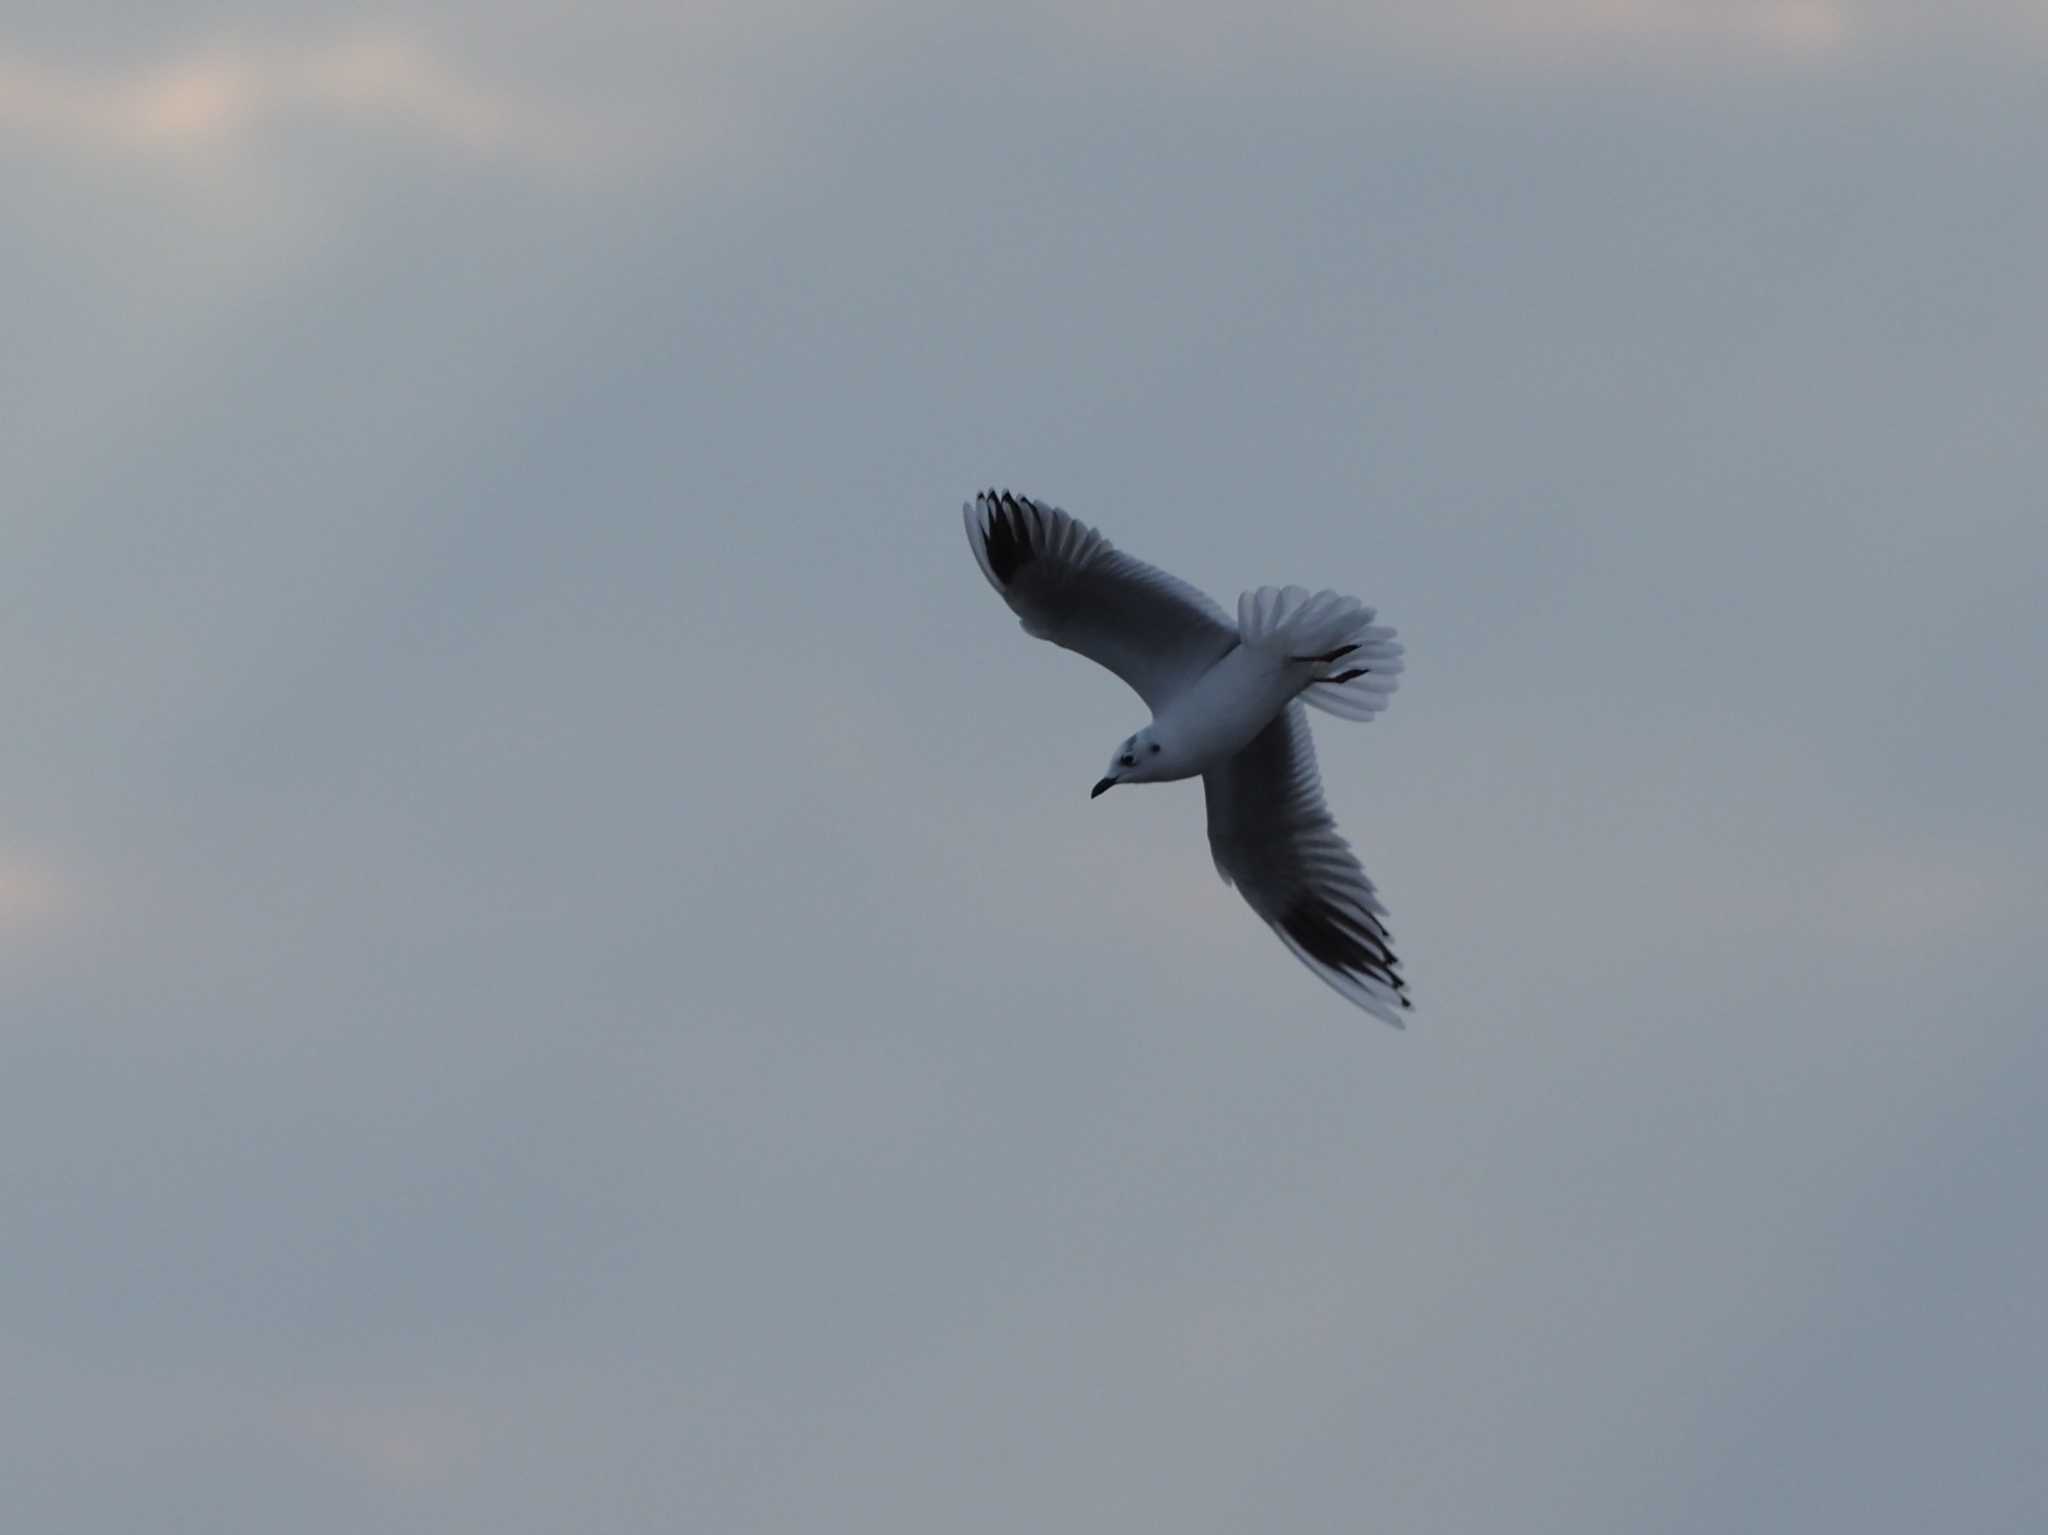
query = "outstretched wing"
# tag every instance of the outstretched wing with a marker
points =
(1074, 587)
(1273, 837)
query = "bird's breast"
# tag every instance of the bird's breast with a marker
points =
(1231, 703)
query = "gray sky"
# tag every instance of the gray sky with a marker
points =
(556, 967)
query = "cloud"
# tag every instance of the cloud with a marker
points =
(1883, 897)
(1761, 26)
(33, 897)
(1540, 36)
(227, 97)
(391, 1439)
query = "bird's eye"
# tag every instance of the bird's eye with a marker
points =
(1155, 748)
(1128, 760)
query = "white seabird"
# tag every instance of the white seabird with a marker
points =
(1226, 700)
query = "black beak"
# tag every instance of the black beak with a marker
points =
(1107, 783)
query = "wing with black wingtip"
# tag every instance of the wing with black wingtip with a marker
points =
(1273, 837)
(1070, 585)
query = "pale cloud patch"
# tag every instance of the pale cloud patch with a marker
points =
(1788, 27)
(397, 1440)
(227, 98)
(1885, 897)
(34, 897)
(1486, 34)
(1519, 36)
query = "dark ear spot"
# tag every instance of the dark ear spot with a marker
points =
(1155, 748)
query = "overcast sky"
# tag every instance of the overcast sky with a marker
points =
(557, 970)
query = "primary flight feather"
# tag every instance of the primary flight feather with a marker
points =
(1226, 698)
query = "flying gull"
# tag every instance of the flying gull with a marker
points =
(1226, 700)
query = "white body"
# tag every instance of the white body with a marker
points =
(1216, 718)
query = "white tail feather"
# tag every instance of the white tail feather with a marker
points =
(1357, 664)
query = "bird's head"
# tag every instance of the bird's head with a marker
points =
(1143, 758)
